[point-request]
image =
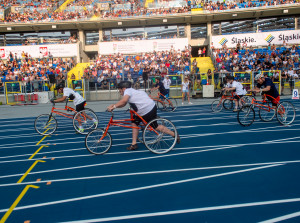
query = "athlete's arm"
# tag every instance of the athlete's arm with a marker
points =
(154, 88)
(60, 99)
(230, 88)
(267, 88)
(119, 104)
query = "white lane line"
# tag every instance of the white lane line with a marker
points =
(282, 218)
(132, 160)
(117, 153)
(150, 172)
(71, 132)
(185, 211)
(141, 188)
(276, 128)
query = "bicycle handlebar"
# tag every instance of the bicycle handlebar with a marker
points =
(112, 112)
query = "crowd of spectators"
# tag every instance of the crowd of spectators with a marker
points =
(34, 74)
(271, 60)
(36, 16)
(32, 3)
(243, 58)
(135, 9)
(105, 73)
(7, 3)
(219, 6)
(108, 71)
(144, 12)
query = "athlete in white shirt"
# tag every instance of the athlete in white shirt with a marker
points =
(78, 101)
(238, 88)
(143, 105)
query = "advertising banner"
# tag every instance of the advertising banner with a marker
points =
(257, 39)
(142, 46)
(40, 51)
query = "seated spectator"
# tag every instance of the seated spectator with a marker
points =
(104, 83)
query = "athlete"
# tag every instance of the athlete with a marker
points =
(143, 105)
(238, 88)
(160, 86)
(266, 86)
(78, 100)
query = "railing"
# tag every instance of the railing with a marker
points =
(108, 88)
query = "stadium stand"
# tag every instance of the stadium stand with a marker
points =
(84, 27)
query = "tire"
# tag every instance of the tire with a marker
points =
(228, 104)
(216, 106)
(157, 141)
(160, 106)
(172, 104)
(245, 100)
(285, 113)
(95, 147)
(45, 124)
(246, 116)
(87, 123)
(266, 114)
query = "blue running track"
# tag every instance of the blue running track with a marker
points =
(220, 172)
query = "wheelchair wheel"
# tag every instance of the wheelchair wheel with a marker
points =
(156, 137)
(267, 113)
(172, 104)
(160, 106)
(285, 113)
(216, 106)
(45, 124)
(98, 143)
(245, 100)
(228, 104)
(87, 119)
(246, 116)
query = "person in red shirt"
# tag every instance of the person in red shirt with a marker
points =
(167, 64)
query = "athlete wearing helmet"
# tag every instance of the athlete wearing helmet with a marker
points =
(142, 104)
(266, 86)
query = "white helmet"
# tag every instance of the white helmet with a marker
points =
(258, 76)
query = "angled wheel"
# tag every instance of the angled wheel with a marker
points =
(172, 104)
(246, 116)
(245, 100)
(228, 104)
(266, 112)
(97, 142)
(160, 106)
(45, 124)
(216, 106)
(285, 113)
(157, 135)
(84, 121)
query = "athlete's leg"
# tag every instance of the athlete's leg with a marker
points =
(164, 129)
(135, 133)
